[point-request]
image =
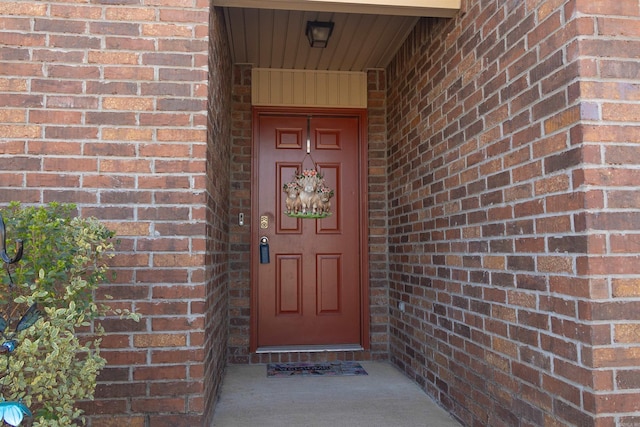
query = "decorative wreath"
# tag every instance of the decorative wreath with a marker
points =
(307, 195)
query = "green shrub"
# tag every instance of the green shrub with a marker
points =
(58, 249)
(64, 261)
(51, 369)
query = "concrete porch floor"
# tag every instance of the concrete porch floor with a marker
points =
(383, 398)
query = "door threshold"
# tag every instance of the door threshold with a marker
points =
(309, 348)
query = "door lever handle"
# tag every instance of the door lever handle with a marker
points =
(264, 250)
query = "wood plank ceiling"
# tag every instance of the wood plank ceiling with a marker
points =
(272, 36)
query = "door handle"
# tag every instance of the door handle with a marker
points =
(264, 250)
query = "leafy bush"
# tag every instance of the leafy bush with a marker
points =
(51, 369)
(63, 263)
(64, 257)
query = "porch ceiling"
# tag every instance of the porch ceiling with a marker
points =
(270, 34)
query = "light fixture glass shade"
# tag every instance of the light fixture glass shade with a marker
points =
(318, 33)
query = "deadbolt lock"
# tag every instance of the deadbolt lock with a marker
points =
(264, 221)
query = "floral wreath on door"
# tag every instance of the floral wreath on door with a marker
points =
(308, 196)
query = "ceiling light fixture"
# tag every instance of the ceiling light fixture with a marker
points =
(318, 33)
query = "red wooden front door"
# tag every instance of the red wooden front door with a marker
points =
(310, 291)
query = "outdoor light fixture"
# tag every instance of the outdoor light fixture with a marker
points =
(318, 33)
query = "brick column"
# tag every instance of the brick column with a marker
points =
(104, 104)
(240, 264)
(609, 90)
(513, 211)
(218, 219)
(378, 244)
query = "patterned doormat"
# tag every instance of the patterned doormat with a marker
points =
(280, 370)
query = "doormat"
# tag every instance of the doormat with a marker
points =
(329, 369)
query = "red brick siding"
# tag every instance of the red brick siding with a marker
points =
(507, 221)
(240, 284)
(240, 202)
(512, 200)
(377, 175)
(218, 185)
(104, 104)
(610, 90)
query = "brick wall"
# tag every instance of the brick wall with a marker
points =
(218, 187)
(511, 171)
(377, 174)
(103, 103)
(240, 246)
(610, 91)
(240, 202)
(513, 147)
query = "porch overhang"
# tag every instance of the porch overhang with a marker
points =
(433, 8)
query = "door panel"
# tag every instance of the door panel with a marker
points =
(310, 292)
(329, 283)
(289, 285)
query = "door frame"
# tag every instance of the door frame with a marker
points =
(363, 214)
